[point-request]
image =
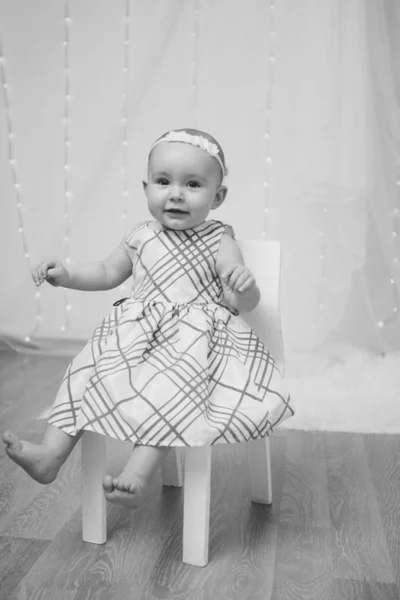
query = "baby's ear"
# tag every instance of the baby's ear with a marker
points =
(220, 196)
(144, 183)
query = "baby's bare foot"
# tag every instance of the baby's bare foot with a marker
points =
(128, 490)
(40, 461)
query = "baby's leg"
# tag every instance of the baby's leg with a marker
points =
(130, 486)
(41, 461)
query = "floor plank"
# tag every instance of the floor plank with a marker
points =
(17, 555)
(383, 453)
(354, 589)
(304, 564)
(305, 492)
(360, 545)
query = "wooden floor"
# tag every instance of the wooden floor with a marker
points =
(333, 531)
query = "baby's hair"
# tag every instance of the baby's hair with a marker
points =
(203, 134)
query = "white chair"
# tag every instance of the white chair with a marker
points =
(264, 260)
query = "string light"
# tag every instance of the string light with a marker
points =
(68, 196)
(268, 117)
(395, 260)
(195, 60)
(124, 118)
(321, 293)
(392, 281)
(17, 187)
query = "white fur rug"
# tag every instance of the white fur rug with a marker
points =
(342, 388)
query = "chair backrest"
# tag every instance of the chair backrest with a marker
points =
(264, 260)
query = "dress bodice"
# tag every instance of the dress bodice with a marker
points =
(177, 266)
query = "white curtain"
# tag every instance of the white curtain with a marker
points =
(336, 147)
(332, 88)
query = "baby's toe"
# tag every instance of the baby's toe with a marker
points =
(12, 441)
(119, 485)
(108, 484)
(9, 437)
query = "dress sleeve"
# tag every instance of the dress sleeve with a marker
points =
(229, 230)
(133, 240)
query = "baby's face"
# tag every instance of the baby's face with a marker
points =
(183, 185)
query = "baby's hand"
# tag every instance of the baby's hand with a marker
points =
(52, 271)
(238, 278)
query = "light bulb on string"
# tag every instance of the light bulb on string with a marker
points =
(13, 166)
(68, 196)
(395, 261)
(195, 61)
(124, 118)
(321, 290)
(270, 60)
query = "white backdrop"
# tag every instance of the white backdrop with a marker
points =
(304, 98)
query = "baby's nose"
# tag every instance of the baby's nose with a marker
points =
(176, 193)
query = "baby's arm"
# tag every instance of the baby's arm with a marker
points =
(240, 288)
(99, 275)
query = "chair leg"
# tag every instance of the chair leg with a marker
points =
(196, 506)
(172, 468)
(260, 471)
(93, 456)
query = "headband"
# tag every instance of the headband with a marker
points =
(195, 140)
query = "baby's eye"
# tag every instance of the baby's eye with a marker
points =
(162, 181)
(193, 184)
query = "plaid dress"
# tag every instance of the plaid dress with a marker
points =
(172, 365)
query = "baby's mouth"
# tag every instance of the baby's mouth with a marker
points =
(176, 211)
